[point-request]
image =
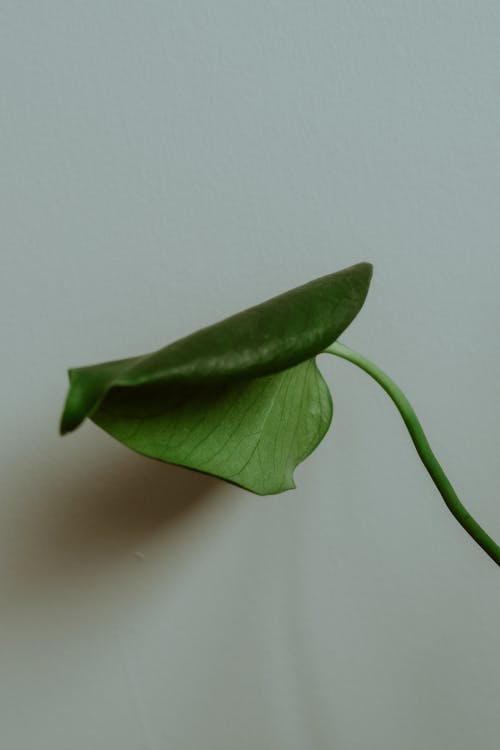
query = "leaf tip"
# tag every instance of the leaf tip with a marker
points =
(83, 396)
(366, 268)
(71, 417)
(68, 422)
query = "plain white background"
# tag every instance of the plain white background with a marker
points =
(165, 164)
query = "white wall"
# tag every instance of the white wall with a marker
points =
(165, 164)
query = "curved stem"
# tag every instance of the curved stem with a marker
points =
(429, 460)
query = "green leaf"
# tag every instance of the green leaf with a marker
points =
(241, 399)
(252, 433)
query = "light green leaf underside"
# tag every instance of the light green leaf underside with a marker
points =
(252, 433)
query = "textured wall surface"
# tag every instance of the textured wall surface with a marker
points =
(165, 164)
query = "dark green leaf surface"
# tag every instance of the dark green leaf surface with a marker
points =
(241, 399)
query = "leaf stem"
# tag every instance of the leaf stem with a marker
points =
(419, 439)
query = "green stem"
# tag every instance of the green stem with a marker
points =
(429, 460)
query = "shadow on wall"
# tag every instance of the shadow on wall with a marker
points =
(64, 530)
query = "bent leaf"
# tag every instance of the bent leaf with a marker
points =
(252, 433)
(266, 338)
(241, 399)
